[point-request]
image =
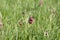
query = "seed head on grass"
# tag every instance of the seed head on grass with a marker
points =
(41, 2)
(20, 22)
(53, 10)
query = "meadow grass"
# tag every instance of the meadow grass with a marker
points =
(45, 20)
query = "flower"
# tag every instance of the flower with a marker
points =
(31, 19)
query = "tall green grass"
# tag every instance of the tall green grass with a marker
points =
(44, 20)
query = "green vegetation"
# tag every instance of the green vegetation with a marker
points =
(46, 25)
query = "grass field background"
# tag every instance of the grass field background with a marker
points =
(44, 20)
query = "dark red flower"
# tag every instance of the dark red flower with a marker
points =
(31, 20)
